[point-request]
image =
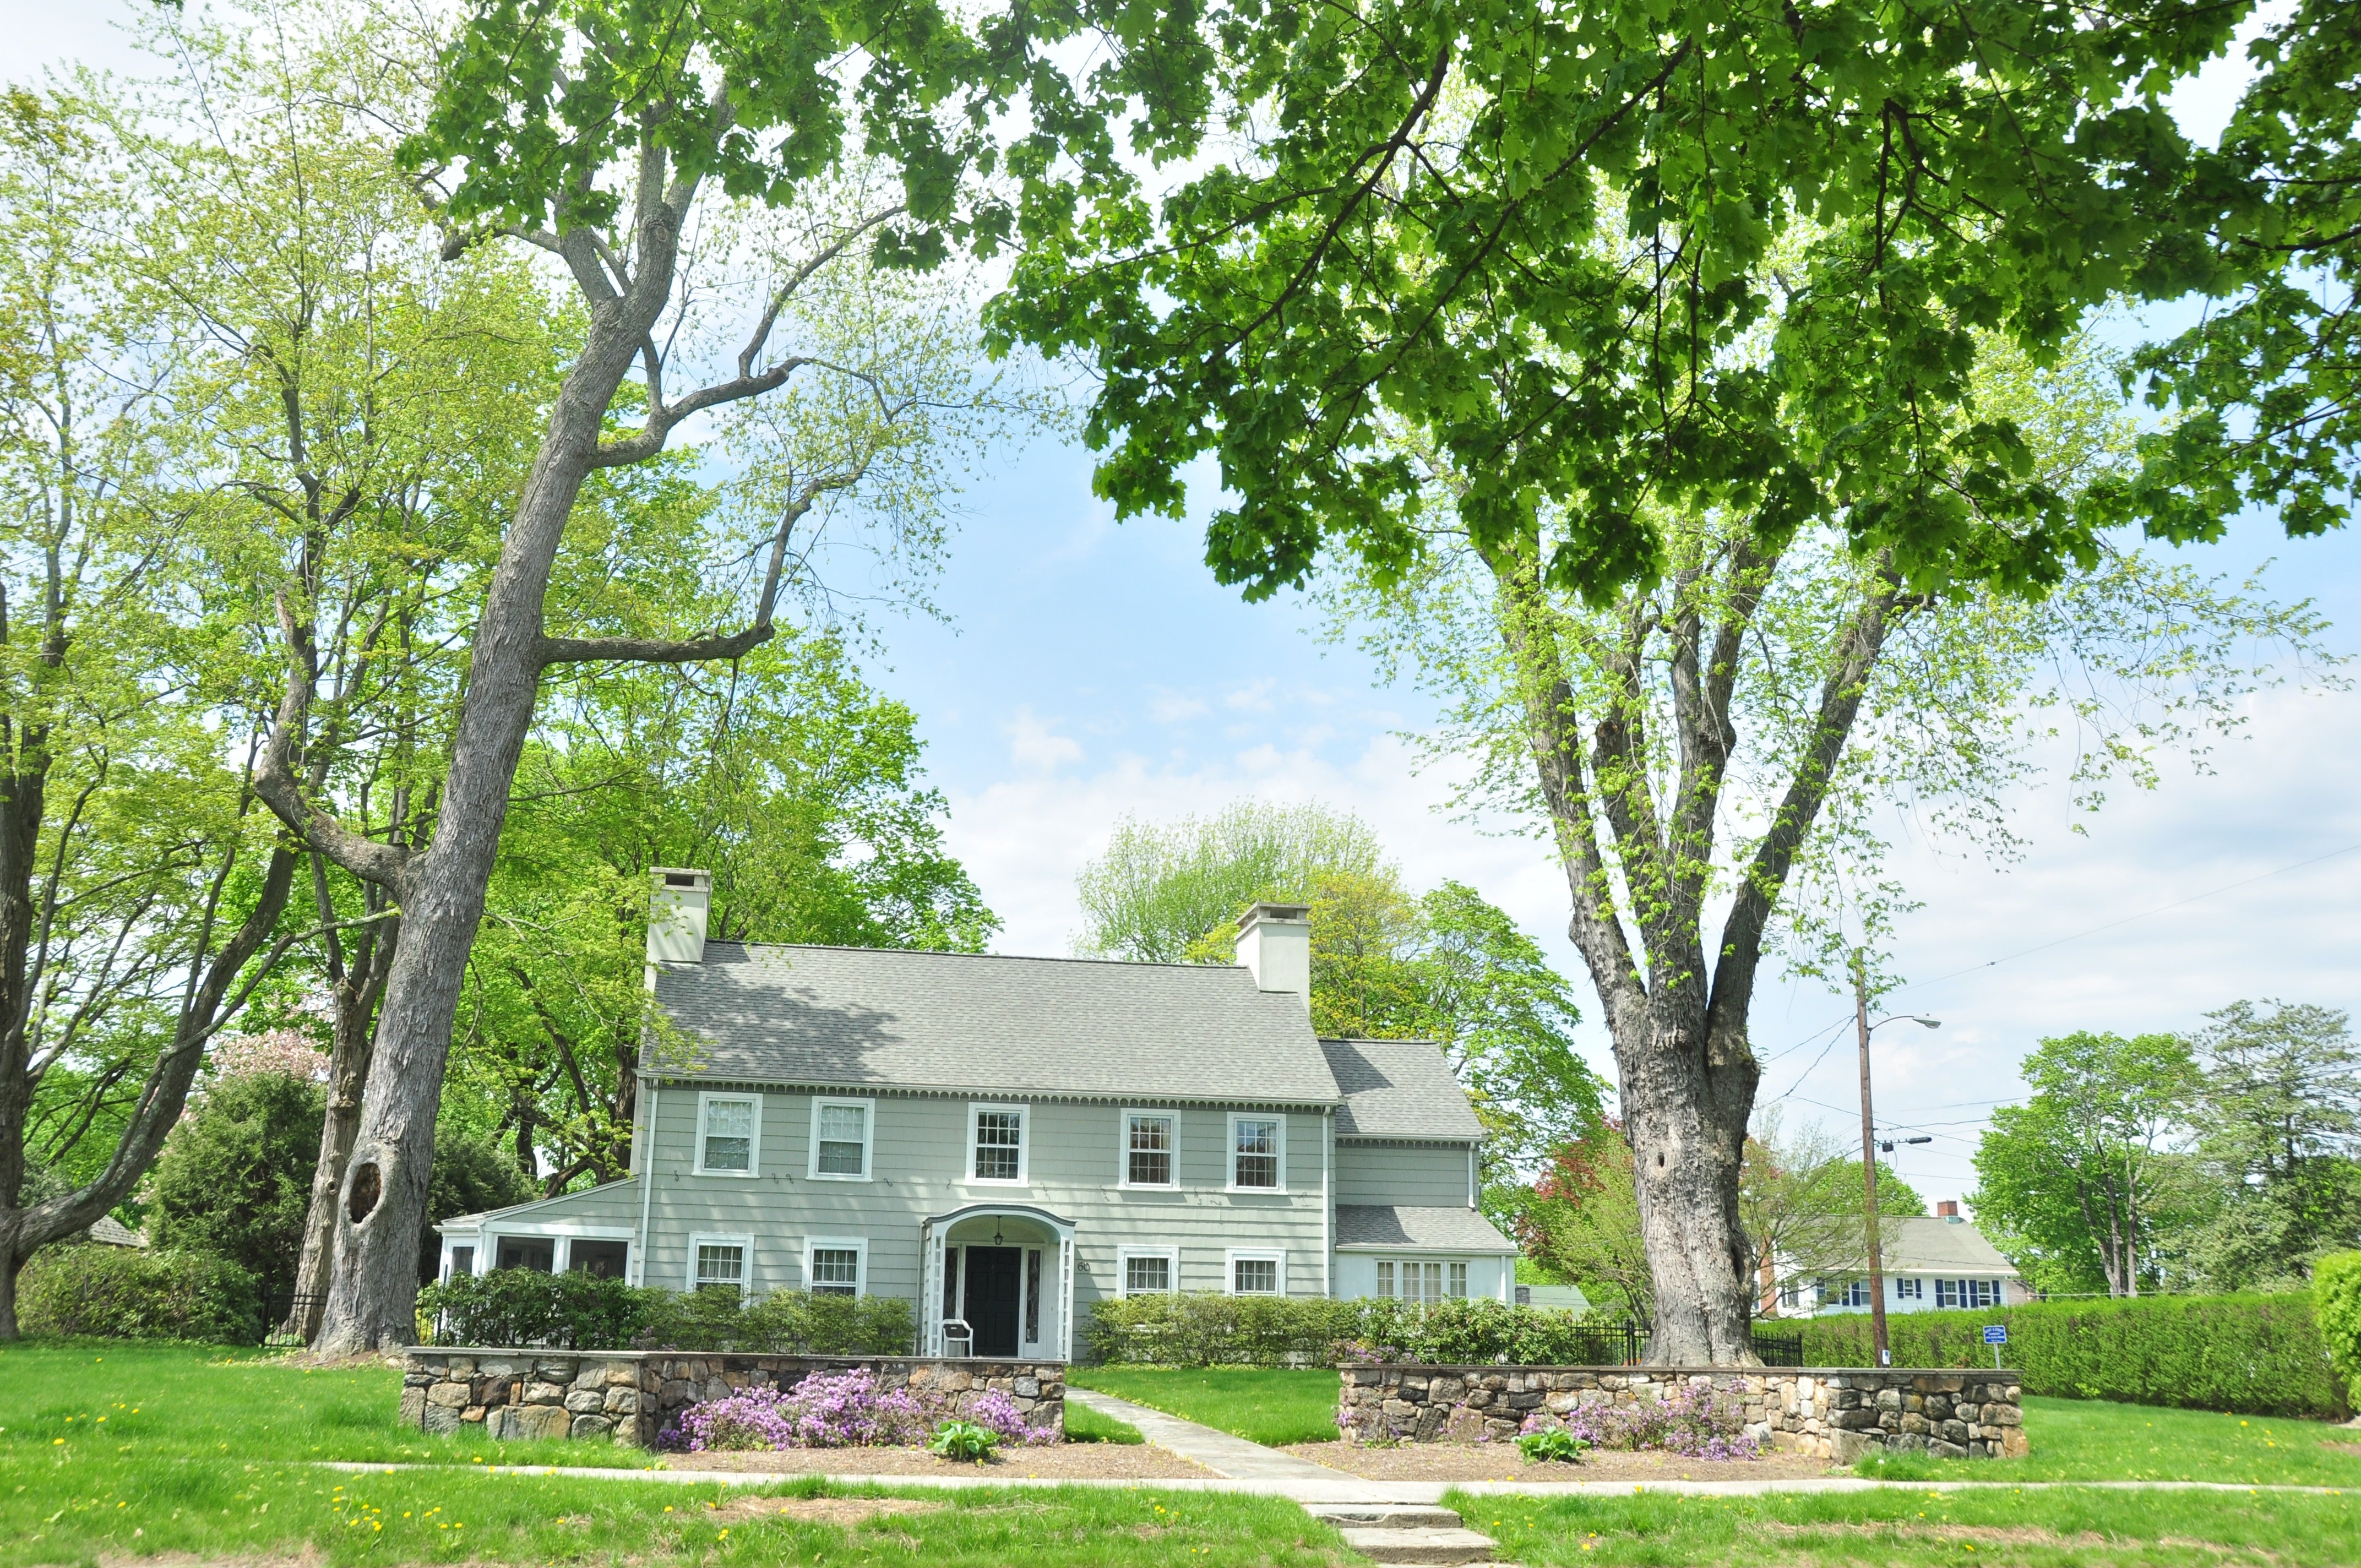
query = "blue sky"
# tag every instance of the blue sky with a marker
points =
(1088, 670)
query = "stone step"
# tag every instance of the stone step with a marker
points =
(1419, 1545)
(1385, 1515)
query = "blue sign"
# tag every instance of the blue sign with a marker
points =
(1995, 1334)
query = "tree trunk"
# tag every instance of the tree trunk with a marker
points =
(1689, 1134)
(355, 993)
(382, 1202)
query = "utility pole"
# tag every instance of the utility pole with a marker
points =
(1869, 1163)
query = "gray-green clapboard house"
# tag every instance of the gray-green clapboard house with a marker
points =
(1004, 1141)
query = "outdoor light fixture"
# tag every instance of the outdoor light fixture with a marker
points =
(995, 1234)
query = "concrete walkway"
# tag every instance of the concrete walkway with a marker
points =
(1232, 1458)
(1328, 1486)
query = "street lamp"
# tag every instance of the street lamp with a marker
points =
(1865, 1028)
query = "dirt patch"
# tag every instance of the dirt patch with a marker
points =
(1050, 1461)
(2341, 1447)
(817, 1510)
(1501, 1462)
(1980, 1535)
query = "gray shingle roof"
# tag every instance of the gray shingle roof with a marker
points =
(1399, 1089)
(982, 1023)
(1932, 1245)
(1399, 1225)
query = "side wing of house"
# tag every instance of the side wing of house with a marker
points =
(1408, 1224)
(595, 1230)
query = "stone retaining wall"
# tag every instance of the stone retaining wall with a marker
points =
(624, 1396)
(1838, 1413)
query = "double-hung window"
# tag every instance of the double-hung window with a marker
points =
(836, 1266)
(729, 1134)
(996, 1144)
(1150, 1272)
(841, 1138)
(1257, 1273)
(1909, 1289)
(1967, 1292)
(1150, 1143)
(1257, 1153)
(720, 1263)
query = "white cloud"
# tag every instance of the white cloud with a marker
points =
(1176, 707)
(1034, 747)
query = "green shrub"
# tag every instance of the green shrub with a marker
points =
(113, 1292)
(578, 1311)
(964, 1443)
(1550, 1444)
(2253, 1354)
(2336, 1307)
(1208, 1328)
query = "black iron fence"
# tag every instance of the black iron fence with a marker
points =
(1779, 1350)
(287, 1319)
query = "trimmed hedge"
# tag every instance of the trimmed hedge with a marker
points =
(116, 1292)
(2253, 1354)
(2336, 1307)
(576, 1311)
(1208, 1328)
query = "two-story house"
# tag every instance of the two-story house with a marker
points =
(1004, 1141)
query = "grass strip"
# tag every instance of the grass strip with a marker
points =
(2067, 1528)
(2095, 1439)
(1263, 1404)
(1087, 1425)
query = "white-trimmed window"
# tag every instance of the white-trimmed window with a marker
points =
(1150, 1271)
(1255, 1273)
(995, 1144)
(721, 1263)
(1422, 1281)
(836, 1266)
(842, 1132)
(1257, 1152)
(1966, 1293)
(729, 1134)
(1151, 1149)
(1909, 1289)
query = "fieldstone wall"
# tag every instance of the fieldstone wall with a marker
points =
(628, 1396)
(1837, 1413)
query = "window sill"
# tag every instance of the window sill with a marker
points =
(1003, 1183)
(733, 1175)
(1148, 1187)
(1257, 1191)
(835, 1176)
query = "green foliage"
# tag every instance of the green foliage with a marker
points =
(119, 1292)
(2072, 1184)
(234, 1179)
(1208, 1328)
(1386, 965)
(2262, 387)
(2336, 1307)
(1162, 887)
(520, 1307)
(1552, 1445)
(964, 1443)
(1606, 260)
(2252, 1353)
(1581, 1222)
(2278, 1144)
(470, 1174)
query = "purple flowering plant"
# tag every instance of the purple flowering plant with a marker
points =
(1696, 1423)
(836, 1409)
(827, 1409)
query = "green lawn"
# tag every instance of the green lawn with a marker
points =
(2093, 1439)
(178, 1400)
(2074, 1528)
(1260, 1404)
(114, 1453)
(1089, 1426)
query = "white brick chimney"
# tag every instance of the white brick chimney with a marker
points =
(1275, 944)
(676, 915)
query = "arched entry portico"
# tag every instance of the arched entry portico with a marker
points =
(997, 1281)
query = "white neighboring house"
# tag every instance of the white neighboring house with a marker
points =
(1931, 1265)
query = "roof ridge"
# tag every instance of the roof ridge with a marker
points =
(955, 953)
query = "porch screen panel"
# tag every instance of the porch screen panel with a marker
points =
(1032, 1295)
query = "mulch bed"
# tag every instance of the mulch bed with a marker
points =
(1050, 1461)
(1501, 1462)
